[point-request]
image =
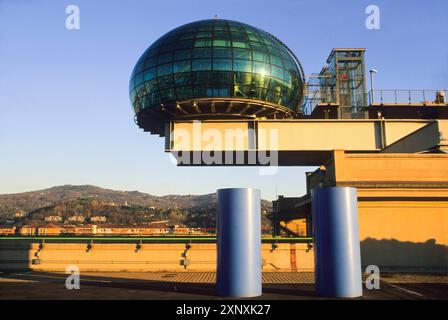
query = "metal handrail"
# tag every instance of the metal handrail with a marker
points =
(407, 96)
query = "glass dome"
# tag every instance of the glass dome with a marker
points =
(210, 60)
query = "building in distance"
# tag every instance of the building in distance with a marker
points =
(98, 219)
(76, 218)
(53, 219)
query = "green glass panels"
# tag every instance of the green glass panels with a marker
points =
(216, 58)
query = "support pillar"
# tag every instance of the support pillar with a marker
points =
(238, 272)
(337, 257)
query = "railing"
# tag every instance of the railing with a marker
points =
(407, 96)
(315, 97)
(130, 239)
(399, 97)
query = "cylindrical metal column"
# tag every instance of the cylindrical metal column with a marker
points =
(238, 272)
(337, 256)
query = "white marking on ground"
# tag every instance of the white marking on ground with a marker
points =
(405, 290)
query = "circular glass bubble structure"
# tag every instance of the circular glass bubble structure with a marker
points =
(215, 69)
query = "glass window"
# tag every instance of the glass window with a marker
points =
(150, 62)
(185, 44)
(220, 78)
(221, 43)
(138, 79)
(166, 81)
(141, 102)
(261, 80)
(294, 76)
(201, 64)
(167, 94)
(253, 37)
(234, 28)
(242, 78)
(164, 69)
(182, 78)
(261, 68)
(273, 96)
(131, 82)
(204, 34)
(244, 90)
(146, 101)
(222, 64)
(137, 106)
(191, 28)
(203, 43)
(140, 90)
(220, 27)
(200, 91)
(287, 76)
(184, 92)
(151, 85)
(267, 40)
(149, 74)
(261, 93)
(182, 54)
(201, 77)
(285, 56)
(133, 95)
(139, 66)
(181, 66)
(186, 36)
(221, 92)
(202, 53)
(260, 56)
(224, 35)
(151, 51)
(239, 44)
(241, 54)
(165, 57)
(289, 64)
(273, 50)
(277, 72)
(168, 47)
(242, 65)
(222, 53)
(204, 27)
(276, 85)
(258, 46)
(276, 60)
(239, 36)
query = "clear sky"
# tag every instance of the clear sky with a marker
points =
(65, 115)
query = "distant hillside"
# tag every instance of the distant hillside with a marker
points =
(125, 207)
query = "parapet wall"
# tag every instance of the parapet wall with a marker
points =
(21, 255)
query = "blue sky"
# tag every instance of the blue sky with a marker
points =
(65, 115)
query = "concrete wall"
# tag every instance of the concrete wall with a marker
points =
(298, 227)
(404, 235)
(18, 255)
(415, 169)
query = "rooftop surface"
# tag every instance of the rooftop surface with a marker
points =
(200, 286)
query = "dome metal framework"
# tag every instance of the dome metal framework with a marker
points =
(215, 69)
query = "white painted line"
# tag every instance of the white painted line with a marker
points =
(405, 290)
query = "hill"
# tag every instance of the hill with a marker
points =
(122, 207)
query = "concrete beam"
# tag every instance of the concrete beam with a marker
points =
(292, 142)
(433, 136)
